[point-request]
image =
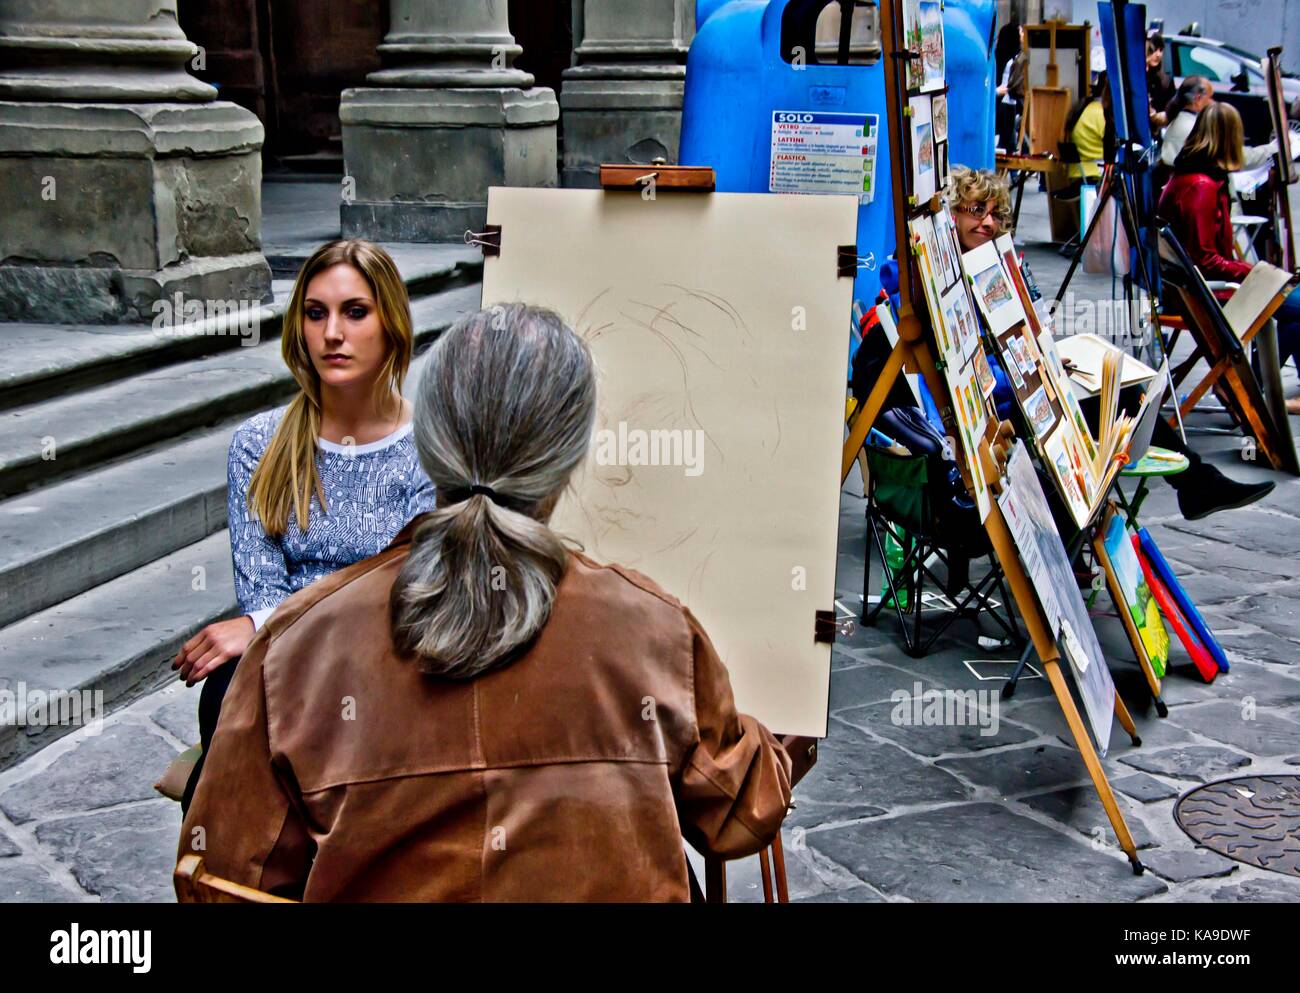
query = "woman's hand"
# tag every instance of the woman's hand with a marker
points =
(214, 646)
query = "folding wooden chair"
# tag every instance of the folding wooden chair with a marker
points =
(1221, 342)
(803, 756)
(194, 884)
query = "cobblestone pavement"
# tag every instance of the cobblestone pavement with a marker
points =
(889, 813)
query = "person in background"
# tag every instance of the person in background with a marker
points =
(1160, 87)
(1197, 207)
(1011, 89)
(1088, 128)
(327, 480)
(527, 724)
(980, 205)
(1194, 94)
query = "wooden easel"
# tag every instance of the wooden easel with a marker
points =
(1284, 233)
(1223, 349)
(1048, 106)
(913, 353)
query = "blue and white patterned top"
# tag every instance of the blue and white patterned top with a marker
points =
(371, 490)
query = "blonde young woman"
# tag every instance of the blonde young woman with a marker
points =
(332, 477)
(526, 724)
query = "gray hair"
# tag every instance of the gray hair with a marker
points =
(507, 401)
(1188, 90)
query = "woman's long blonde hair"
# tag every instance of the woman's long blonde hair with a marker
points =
(1217, 136)
(286, 477)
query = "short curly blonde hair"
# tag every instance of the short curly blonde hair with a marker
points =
(971, 186)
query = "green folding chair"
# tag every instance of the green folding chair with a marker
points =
(900, 503)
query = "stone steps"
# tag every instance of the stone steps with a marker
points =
(118, 638)
(68, 536)
(47, 361)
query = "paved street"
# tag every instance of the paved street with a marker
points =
(889, 813)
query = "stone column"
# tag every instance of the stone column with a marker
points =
(123, 180)
(622, 99)
(447, 117)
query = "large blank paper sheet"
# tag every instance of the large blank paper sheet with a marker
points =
(718, 326)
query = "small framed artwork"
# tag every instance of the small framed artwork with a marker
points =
(921, 139)
(939, 115)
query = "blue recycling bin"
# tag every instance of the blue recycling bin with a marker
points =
(767, 118)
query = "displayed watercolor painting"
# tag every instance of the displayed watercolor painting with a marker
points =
(1007, 252)
(922, 145)
(1039, 411)
(932, 45)
(1021, 355)
(913, 42)
(992, 287)
(1072, 485)
(1135, 594)
(939, 115)
(984, 374)
(945, 230)
(992, 283)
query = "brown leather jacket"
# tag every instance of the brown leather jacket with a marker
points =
(339, 772)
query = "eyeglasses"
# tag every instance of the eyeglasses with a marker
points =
(978, 212)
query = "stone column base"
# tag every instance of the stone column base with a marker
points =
(632, 117)
(109, 208)
(422, 159)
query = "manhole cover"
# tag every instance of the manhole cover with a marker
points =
(1255, 819)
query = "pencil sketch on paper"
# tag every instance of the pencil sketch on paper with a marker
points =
(660, 354)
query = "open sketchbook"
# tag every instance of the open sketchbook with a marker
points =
(1082, 355)
(1259, 295)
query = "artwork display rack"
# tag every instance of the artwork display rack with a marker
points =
(912, 353)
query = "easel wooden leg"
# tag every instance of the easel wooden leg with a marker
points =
(1081, 740)
(1126, 719)
(871, 409)
(715, 880)
(778, 863)
(766, 874)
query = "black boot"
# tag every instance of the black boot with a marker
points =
(1211, 491)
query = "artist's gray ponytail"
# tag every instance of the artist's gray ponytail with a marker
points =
(506, 402)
